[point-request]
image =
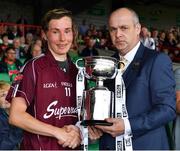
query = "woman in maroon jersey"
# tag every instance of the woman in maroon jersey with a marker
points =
(44, 105)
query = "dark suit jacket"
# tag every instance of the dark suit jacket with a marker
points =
(89, 52)
(150, 100)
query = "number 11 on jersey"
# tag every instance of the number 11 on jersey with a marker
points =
(68, 91)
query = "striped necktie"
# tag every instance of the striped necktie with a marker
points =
(123, 63)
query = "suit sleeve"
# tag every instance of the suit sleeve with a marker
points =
(162, 95)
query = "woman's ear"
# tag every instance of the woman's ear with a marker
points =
(44, 35)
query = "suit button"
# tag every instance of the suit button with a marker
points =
(107, 148)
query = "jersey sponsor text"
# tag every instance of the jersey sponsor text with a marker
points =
(59, 112)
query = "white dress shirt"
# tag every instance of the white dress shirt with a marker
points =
(130, 55)
(129, 58)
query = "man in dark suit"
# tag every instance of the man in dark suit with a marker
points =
(90, 49)
(149, 82)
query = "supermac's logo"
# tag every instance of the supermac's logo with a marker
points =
(52, 110)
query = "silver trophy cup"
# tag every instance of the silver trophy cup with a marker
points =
(98, 102)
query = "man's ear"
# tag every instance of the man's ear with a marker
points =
(138, 28)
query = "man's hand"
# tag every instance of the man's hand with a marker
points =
(69, 136)
(94, 133)
(116, 129)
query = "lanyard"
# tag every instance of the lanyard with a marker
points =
(79, 90)
(123, 142)
(80, 78)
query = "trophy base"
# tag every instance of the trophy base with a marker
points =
(95, 122)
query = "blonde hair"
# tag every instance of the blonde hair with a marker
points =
(4, 86)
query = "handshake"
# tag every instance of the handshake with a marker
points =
(71, 135)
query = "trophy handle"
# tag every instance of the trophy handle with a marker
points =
(77, 62)
(81, 66)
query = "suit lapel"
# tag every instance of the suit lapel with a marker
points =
(134, 67)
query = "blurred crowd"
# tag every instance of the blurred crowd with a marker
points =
(167, 40)
(19, 43)
(16, 48)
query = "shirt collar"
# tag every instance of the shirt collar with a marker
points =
(130, 55)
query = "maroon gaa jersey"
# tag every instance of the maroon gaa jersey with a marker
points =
(50, 94)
